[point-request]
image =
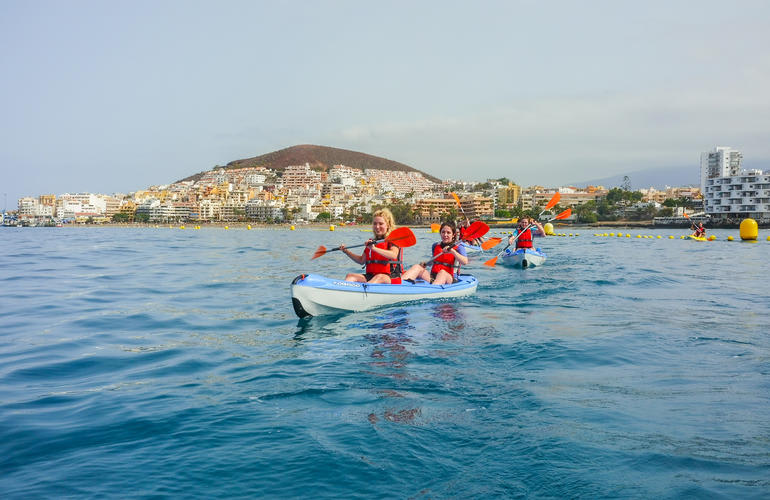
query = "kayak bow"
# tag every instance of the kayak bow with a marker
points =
(523, 257)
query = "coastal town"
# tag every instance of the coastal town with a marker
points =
(345, 194)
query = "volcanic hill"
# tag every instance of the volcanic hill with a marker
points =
(320, 157)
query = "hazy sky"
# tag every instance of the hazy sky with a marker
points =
(108, 96)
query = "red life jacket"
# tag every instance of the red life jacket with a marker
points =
(445, 261)
(525, 240)
(377, 264)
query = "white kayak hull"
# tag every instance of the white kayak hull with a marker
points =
(315, 295)
(523, 258)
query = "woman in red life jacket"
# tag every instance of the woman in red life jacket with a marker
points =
(446, 254)
(381, 260)
(700, 231)
(526, 232)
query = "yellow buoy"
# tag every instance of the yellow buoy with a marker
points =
(638, 235)
(671, 236)
(331, 228)
(548, 228)
(749, 229)
(729, 238)
(659, 236)
(248, 227)
(712, 237)
(181, 227)
(227, 227)
(291, 228)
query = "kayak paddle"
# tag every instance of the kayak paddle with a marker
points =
(491, 242)
(457, 199)
(491, 262)
(475, 231)
(401, 236)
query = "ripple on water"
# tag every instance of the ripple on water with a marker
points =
(170, 363)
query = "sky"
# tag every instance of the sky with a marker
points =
(115, 96)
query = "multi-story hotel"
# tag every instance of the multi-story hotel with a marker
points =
(732, 193)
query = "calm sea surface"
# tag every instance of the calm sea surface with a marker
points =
(168, 362)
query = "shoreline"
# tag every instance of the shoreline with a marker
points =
(316, 226)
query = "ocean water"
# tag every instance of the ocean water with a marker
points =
(169, 363)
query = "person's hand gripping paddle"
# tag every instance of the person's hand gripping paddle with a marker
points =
(401, 236)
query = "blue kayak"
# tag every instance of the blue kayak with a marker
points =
(523, 257)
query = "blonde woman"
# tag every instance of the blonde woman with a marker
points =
(382, 260)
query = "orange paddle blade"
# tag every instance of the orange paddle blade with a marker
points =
(321, 250)
(554, 201)
(475, 230)
(491, 242)
(491, 262)
(457, 199)
(563, 215)
(403, 237)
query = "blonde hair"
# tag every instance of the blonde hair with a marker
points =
(388, 216)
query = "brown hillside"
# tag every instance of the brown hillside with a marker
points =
(322, 157)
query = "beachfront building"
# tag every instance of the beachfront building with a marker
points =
(429, 210)
(569, 197)
(80, 205)
(731, 194)
(507, 197)
(673, 193)
(260, 210)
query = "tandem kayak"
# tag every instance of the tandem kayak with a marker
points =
(315, 295)
(523, 257)
(696, 238)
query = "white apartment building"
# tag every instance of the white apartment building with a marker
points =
(264, 210)
(69, 206)
(732, 193)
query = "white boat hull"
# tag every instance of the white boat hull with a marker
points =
(314, 295)
(523, 257)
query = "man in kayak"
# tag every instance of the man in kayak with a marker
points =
(528, 229)
(382, 260)
(448, 255)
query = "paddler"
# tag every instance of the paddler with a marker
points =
(448, 256)
(699, 230)
(382, 260)
(527, 229)
(462, 227)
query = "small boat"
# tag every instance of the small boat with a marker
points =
(315, 295)
(696, 238)
(523, 257)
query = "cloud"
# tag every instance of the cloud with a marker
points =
(546, 140)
